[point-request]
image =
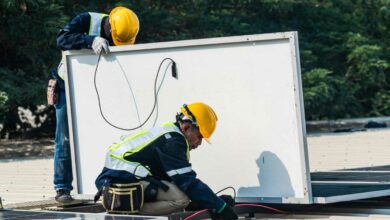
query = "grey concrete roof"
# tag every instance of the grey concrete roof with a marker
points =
(32, 179)
(345, 150)
(26, 180)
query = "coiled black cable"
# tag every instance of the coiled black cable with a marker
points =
(154, 89)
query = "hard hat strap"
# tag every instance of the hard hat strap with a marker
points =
(180, 117)
(190, 113)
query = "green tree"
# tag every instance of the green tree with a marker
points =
(381, 103)
(27, 39)
(344, 45)
(326, 96)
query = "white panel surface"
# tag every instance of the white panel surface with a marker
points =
(252, 82)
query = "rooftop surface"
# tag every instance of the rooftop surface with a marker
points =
(31, 178)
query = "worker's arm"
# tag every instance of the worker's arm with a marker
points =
(173, 156)
(75, 36)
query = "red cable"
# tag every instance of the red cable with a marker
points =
(261, 206)
(240, 205)
(196, 213)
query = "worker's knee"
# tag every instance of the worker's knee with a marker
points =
(164, 207)
(178, 199)
(181, 203)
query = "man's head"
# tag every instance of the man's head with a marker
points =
(197, 121)
(191, 133)
(124, 26)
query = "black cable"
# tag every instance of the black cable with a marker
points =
(159, 87)
(155, 96)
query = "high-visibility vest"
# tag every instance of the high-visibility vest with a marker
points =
(95, 26)
(96, 23)
(133, 144)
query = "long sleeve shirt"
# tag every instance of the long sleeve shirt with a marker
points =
(74, 36)
(166, 158)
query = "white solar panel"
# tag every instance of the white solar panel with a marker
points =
(252, 82)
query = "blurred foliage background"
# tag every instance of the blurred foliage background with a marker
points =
(344, 48)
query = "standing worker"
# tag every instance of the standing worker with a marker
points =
(158, 160)
(86, 31)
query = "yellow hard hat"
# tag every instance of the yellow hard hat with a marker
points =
(124, 26)
(204, 117)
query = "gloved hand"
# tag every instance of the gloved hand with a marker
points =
(100, 44)
(228, 214)
(228, 199)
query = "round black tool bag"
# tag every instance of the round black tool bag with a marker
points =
(123, 198)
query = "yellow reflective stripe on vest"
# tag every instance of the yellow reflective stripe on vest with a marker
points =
(127, 139)
(136, 142)
(131, 167)
(95, 23)
(188, 150)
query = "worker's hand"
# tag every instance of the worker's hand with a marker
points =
(100, 44)
(228, 199)
(228, 213)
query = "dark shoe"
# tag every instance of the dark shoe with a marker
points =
(63, 196)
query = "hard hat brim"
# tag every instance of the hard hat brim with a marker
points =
(207, 140)
(118, 43)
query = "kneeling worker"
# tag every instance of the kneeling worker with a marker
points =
(158, 159)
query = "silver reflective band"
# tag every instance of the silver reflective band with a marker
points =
(154, 133)
(95, 23)
(131, 167)
(179, 171)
